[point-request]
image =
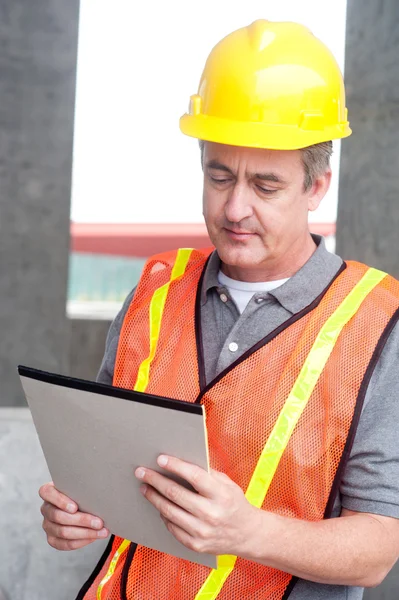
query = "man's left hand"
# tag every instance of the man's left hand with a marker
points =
(216, 520)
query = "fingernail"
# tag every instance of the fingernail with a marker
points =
(162, 461)
(140, 473)
(143, 489)
(96, 524)
(71, 508)
(102, 533)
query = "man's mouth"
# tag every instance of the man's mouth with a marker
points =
(238, 234)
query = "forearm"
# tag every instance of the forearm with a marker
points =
(351, 550)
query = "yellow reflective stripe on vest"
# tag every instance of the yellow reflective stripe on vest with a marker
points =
(112, 567)
(157, 306)
(290, 414)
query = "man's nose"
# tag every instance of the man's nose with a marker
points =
(238, 205)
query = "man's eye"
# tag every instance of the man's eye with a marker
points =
(215, 180)
(265, 190)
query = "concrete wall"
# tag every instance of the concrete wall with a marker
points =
(84, 353)
(38, 42)
(87, 343)
(29, 568)
(368, 209)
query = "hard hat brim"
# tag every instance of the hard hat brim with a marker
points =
(258, 135)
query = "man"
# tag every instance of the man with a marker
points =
(292, 351)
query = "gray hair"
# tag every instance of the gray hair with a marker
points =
(315, 160)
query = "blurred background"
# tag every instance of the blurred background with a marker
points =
(95, 177)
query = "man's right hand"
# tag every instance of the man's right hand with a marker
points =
(66, 527)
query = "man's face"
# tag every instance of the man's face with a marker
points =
(256, 208)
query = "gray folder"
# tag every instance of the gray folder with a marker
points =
(94, 436)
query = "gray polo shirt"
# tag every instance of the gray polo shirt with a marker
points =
(371, 479)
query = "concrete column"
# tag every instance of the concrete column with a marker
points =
(38, 42)
(368, 210)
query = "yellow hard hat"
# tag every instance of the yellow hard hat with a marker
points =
(269, 85)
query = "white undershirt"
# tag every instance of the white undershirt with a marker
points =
(242, 291)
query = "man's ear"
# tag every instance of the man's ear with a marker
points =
(318, 190)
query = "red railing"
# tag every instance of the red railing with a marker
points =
(128, 239)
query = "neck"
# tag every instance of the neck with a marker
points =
(274, 268)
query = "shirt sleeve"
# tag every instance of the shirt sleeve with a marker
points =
(371, 479)
(106, 372)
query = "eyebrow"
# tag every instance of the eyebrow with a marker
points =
(214, 164)
(269, 177)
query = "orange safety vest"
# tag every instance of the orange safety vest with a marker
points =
(281, 419)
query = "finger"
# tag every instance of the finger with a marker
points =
(197, 477)
(183, 537)
(218, 475)
(178, 494)
(79, 519)
(50, 494)
(64, 532)
(68, 544)
(173, 513)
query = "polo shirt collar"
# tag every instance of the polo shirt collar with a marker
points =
(300, 290)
